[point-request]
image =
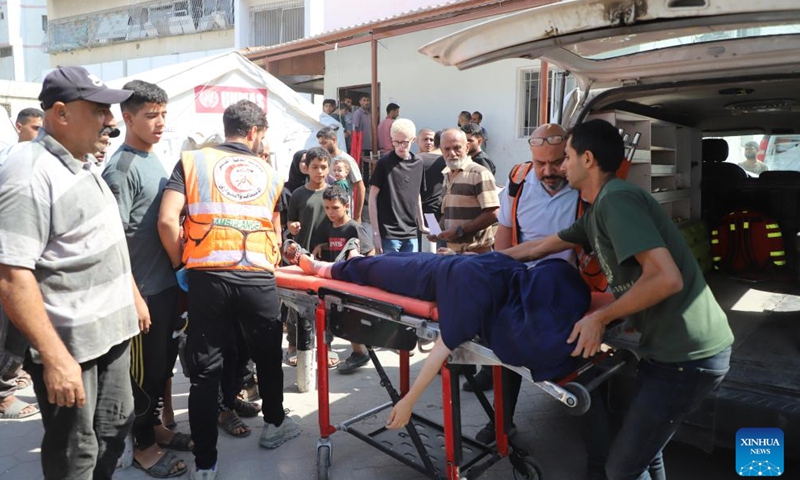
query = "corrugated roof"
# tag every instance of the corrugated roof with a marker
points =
(417, 15)
(401, 15)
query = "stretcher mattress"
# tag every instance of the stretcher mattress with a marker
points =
(293, 278)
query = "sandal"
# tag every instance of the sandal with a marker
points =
(24, 380)
(249, 394)
(14, 410)
(163, 468)
(291, 252)
(233, 423)
(333, 359)
(169, 425)
(180, 442)
(291, 357)
(246, 409)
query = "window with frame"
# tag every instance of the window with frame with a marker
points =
(276, 23)
(559, 83)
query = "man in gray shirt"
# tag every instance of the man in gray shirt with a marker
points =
(362, 122)
(65, 278)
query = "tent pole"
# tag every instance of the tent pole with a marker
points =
(374, 44)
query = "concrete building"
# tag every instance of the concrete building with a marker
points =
(118, 38)
(373, 47)
(22, 31)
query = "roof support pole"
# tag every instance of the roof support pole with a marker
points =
(374, 88)
(544, 78)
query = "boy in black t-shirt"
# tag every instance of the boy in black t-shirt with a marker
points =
(342, 232)
(306, 223)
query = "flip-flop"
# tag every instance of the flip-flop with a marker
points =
(180, 442)
(24, 380)
(333, 359)
(291, 358)
(162, 468)
(232, 423)
(14, 410)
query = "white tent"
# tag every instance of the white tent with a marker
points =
(200, 90)
(8, 134)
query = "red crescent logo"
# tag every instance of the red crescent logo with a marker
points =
(228, 180)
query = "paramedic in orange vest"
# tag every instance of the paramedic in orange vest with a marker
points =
(228, 253)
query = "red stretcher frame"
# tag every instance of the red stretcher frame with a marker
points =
(294, 280)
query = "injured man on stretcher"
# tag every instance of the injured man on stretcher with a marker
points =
(524, 314)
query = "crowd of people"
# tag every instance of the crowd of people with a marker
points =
(98, 267)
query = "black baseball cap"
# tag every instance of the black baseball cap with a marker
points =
(67, 84)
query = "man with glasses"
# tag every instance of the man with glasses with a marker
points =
(546, 205)
(395, 207)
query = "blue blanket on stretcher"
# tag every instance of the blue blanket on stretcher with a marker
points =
(524, 314)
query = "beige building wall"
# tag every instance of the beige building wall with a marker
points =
(143, 48)
(57, 9)
(213, 40)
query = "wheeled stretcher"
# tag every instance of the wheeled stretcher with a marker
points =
(377, 318)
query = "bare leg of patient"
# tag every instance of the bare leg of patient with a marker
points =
(315, 267)
(320, 268)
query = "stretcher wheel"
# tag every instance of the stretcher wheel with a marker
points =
(527, 468)
(582, 399)
(323, 462)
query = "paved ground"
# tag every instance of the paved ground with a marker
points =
(546, 430)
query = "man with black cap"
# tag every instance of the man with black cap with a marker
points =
(65, 278)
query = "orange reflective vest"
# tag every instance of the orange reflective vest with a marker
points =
(230, 199)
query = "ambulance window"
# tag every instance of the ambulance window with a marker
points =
(743, 150)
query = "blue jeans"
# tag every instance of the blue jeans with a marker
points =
(394, 246)
(668, 393)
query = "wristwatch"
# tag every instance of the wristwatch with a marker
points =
(460, 231)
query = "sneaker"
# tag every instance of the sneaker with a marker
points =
(274, 437)
(353, 362)
(486, 435)
(204, 474)
(483, 379)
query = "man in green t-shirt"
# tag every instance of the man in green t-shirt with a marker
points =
(686, 340)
